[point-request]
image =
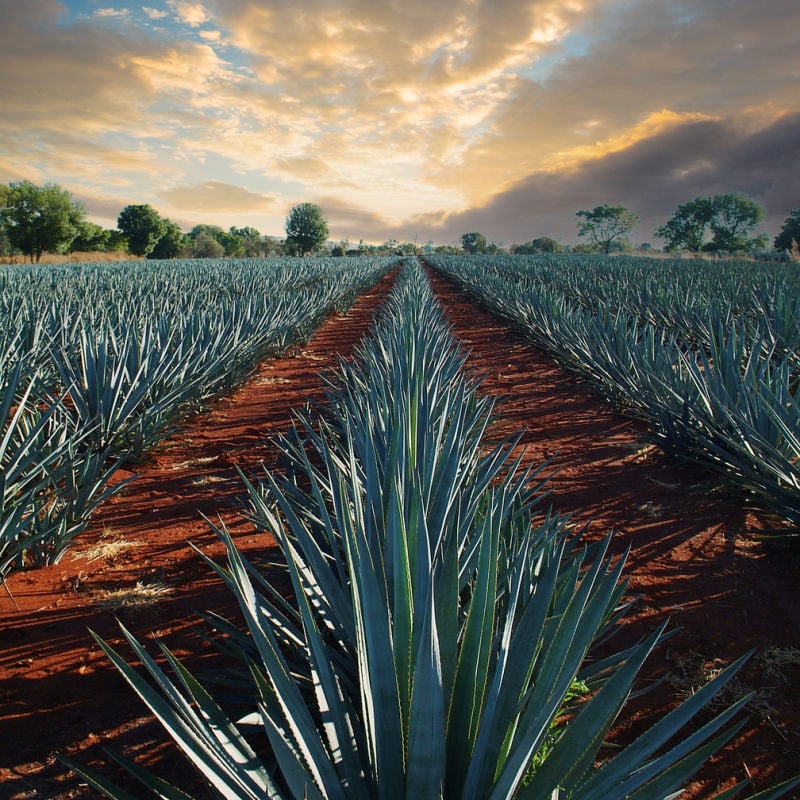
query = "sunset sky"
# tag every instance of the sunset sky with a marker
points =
(412, 119)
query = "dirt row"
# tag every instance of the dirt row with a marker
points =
(694, 558)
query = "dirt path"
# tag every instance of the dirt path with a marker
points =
(692, 559)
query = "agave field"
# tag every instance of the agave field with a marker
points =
(98, 362)
(425, 624)
(707, 354)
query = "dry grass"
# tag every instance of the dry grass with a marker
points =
(141, 596)
(208, 480)
(193, 462)
(266, 380)
(76, 257)
(693, 670)
(110, 547)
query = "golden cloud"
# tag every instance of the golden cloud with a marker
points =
(216, 197)
(193, 14)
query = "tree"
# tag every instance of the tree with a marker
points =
(306, 229)
(171, 244)
(250, 239)
(605, 225)
(39, 218)
(733, 218)
(143, 227)
(90, 238)
(686, 228)
(542, 244)
(5, 242)
(789, 237)
(204, 245)
(473, 243)
(730, 218)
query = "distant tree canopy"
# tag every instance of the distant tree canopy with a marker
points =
(93, 238)
(171, 244)
(606, 225)
(251, 241)
(686, 228)
(306, 229)
(789, 237)
(142, 226)
(733, 219)
(90, 238)
(473, 243)
(203, 245)
(542, 244)
(39, 219)
(729, 218)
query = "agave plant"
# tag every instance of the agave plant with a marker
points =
(441, 619)
(50, 483)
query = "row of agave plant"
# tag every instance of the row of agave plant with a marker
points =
(99, 362)
(441, 640)
(687, 298)
(721, 390)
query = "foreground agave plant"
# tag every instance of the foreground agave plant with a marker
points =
(441, 622)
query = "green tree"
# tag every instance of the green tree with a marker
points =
(204, 245)
(789, 237)
(733, 218)
(271, 246)
(473, 242)
(389, 247)
(250, 239)
(117, 241)
(604, 225)
(142, 226)
(5, 242)
(542, 244)
(199, 246)
(729, 218)
(686, 229)
(39, 219)
(171, 244)
(306, 229)
(91, 238)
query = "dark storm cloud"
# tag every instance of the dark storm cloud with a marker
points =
(650, 178)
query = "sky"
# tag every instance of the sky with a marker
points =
(417, 120)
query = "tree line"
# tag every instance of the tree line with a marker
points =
(723, 224)
(39, 219)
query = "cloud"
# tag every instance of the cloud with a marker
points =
(111, 13)
(637, 60)
(349, 221)
(154, 13)
(651, 178)
(416, 111)
(194, 69)
(216, 197)
(193, 14)
(305, 168)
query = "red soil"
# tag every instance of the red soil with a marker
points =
(695, 558)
